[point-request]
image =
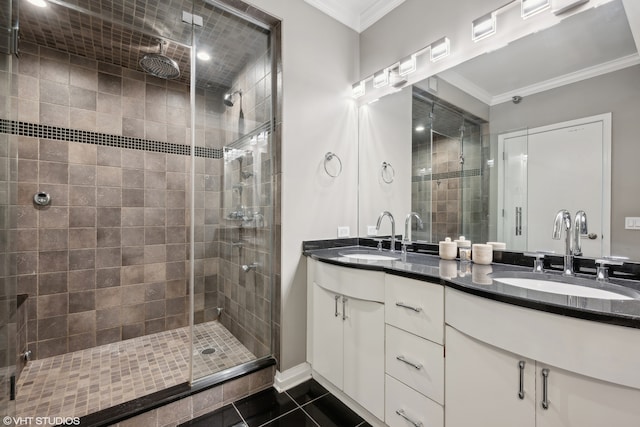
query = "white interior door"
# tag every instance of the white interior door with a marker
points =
(565, 170)
(514, 221)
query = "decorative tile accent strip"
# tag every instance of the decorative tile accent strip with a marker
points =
(87, 137)
(447, 175)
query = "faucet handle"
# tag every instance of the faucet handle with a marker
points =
(602, 270)
(379, 247)
(538, 264)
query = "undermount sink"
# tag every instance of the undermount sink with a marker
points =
(574, 287)
(369, 256)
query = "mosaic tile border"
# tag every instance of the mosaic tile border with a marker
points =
(447, 175)
(87, 137)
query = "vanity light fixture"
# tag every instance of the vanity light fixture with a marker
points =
(419, 128)
(531, 7)
(381, 78)
(407, 65)
(38, 3)
(357, 89)
(439, 49)
(483, 27)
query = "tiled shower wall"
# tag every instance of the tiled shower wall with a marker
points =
(452, 194)
(9, 321)
(246, 297)
(108, 260)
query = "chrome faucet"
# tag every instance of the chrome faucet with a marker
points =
(393, 228)
(563, 222)
(406, 238)
(579, 229)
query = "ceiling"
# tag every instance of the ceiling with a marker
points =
(120, 32)
(357, 14)
(584, 45)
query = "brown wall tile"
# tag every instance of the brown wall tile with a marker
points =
(82, 217)
(84, 322)
(82, 301)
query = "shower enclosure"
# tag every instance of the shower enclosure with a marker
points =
(149, 129)
(447, 185)
(10, 322)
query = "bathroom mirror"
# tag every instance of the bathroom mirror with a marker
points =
(454, 138)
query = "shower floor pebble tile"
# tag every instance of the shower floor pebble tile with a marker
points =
(79, 383)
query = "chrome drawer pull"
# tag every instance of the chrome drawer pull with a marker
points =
(404, 360)
(403, 305)
(337, 297)
(545, 389)
(403, 415)
(521, 392)
(344, 309)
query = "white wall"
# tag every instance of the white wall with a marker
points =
(320, 62)
(385, 136)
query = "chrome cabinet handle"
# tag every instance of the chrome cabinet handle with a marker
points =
(337, 297)
(344, 312)
(545, 388)
(404, 415)
(521, 392)
(401, 358)
(403, 305)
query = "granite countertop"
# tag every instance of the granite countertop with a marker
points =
(479, 280)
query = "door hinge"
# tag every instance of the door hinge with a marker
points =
(190, 18)
(9, 41)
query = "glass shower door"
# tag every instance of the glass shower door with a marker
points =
(233, 204)
(8, 303)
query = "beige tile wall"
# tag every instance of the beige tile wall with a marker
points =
(108, 260)
(247, 296)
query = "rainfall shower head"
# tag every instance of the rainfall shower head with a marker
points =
(159, 65)
(228, 97)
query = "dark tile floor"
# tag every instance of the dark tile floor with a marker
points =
(308, 404)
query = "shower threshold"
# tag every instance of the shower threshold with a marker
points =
(87, 381)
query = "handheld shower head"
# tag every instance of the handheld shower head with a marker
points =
(229, 97)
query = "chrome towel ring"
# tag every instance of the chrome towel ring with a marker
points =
(387, 172)
(329, 157)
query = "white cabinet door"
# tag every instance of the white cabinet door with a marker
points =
(327, 326)
(483, 385)
(364, 354)
(579, 401)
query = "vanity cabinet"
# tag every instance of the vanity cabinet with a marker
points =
(508, 365)
(414, 354)
(346, 329)
(484, 385)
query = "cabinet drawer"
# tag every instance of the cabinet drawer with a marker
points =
(427, 320)
(410, 403)
(427, 376)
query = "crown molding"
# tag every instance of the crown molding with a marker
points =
(586, 73)
(354, 18)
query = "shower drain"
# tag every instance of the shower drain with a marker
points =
(208, 351)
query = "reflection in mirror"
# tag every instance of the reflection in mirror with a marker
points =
(554, 83)
(446, 177)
